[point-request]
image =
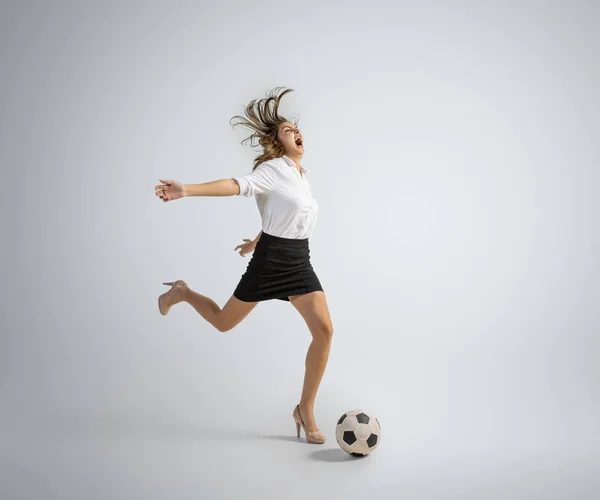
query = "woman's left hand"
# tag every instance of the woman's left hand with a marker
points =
(246, 247)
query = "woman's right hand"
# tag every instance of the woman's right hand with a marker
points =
(246, 247)
(169, 190)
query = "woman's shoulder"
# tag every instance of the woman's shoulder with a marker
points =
(273, 164)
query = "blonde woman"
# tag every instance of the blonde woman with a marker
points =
(280, 266)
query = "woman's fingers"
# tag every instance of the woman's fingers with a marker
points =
(161, 192)
(242, 247)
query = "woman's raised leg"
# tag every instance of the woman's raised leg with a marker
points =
(233, 312)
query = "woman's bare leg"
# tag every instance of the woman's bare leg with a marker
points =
(225, 319)
(313, 308)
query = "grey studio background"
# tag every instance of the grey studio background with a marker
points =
(453, 150)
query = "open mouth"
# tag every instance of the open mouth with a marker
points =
(299, 142)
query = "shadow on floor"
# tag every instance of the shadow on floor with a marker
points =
(152, 427)
(332, 455)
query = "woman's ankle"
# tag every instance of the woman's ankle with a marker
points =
(307, 406)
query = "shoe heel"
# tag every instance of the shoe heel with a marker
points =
(309, 435)
(162, 306)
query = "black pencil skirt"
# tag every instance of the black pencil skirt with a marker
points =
(279, 267)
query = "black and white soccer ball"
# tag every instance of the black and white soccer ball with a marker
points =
(358, 432)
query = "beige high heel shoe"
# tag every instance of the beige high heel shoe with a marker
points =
(163, 303)
(316, 437)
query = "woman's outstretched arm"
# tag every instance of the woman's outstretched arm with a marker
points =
(261, 180)
(223, 187)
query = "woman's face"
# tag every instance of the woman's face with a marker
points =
(291, 139)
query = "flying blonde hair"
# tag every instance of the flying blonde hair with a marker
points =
(263, 118)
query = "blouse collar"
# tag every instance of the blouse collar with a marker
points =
(292, 163)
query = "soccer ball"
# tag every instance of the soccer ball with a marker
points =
(358, 432)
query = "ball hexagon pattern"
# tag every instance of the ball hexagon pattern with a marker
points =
(358, 432)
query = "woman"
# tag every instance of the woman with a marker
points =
(280, 267)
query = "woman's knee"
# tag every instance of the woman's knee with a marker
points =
(223, 326)
(323, 332)
(234, 312)
(225, 322)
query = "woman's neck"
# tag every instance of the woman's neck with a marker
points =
(295, 158)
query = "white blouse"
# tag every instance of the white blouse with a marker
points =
(283, 196)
